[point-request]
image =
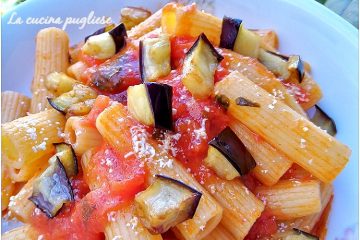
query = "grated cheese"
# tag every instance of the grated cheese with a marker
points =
(140, 146)
(41, 146)
(201, 132)
(165, 162)
(32, 133)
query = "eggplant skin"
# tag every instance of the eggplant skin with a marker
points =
(283, 57)
(193, 190)
(160, 96)
(141, 61)
(304, 234)
(222, 100)
(324, 121)
(119, 97)
(300, 69)
(56, 106)
(52, 189)
(166, 203)
(67, 153)
(229, 32)
(119, 35)
(100, 31)
(203, 38)
(234, 150)
(240, 101)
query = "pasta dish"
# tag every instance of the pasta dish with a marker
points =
(171, 125)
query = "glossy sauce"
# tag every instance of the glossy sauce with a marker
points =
(87, 217)
(118, 179)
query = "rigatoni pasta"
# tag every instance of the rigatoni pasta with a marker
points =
(146, 26)
(308, 223)
(240, 206)
(7, 187)
(20, 206)
(116, 156)
(52, 47)
(220, 233)
(20, 233)
(303, 142)
(27, 142)
(269, 39)
(81, 136)
(290, 199)
(257, 73)
(271, 163)
(13, 105)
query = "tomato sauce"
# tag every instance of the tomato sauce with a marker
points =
(197, 122)
(101, 102)
(118, 178)
(106, 165)
(263, 228)
(87, 216)
(89, 60)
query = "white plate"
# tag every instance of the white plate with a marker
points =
(321, 37)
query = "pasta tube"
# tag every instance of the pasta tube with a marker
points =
(76, 70)
(13, 105)
(308, 223)
(151, 23)
(291, 199)
(20, 233)
(52, 46)
(240, 206)
(117, 129)
(178, 20)
(257, 73)
(313, 89)
(27, 142)
(188, 20)
(299, 139)
(269, 39)
(20, 206)
(80, 135)
(220, 233)
(271, 164)
(7, 187)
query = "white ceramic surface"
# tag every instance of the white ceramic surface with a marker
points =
(305, 27)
